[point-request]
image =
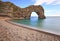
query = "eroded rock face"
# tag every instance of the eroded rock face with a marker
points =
(22, 13)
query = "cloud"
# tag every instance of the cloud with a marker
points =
(47, 2)
(48, 13)
(56, 2)
(56, 14)
(52, 12)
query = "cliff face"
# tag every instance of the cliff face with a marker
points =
(13, 11)
(6, 8)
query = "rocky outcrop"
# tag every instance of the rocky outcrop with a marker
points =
(14, 11)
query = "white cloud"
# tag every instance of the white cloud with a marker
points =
(53, 14)
(57, 2)
(47, 2)
(57, 14)
(38, 2)
(52, 11)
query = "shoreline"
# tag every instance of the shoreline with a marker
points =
(36, 29)
(14, 32)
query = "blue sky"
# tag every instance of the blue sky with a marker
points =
(51, 7)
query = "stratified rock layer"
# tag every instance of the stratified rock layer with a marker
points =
(13, 11)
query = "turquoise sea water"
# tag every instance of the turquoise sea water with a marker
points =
(50, 23)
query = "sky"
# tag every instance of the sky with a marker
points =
(51, 7)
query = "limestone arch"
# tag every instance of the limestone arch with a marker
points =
(22, 13)
(37, 9)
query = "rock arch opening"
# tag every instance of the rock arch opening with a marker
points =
(34, 14)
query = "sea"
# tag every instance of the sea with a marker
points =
(51, 23)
